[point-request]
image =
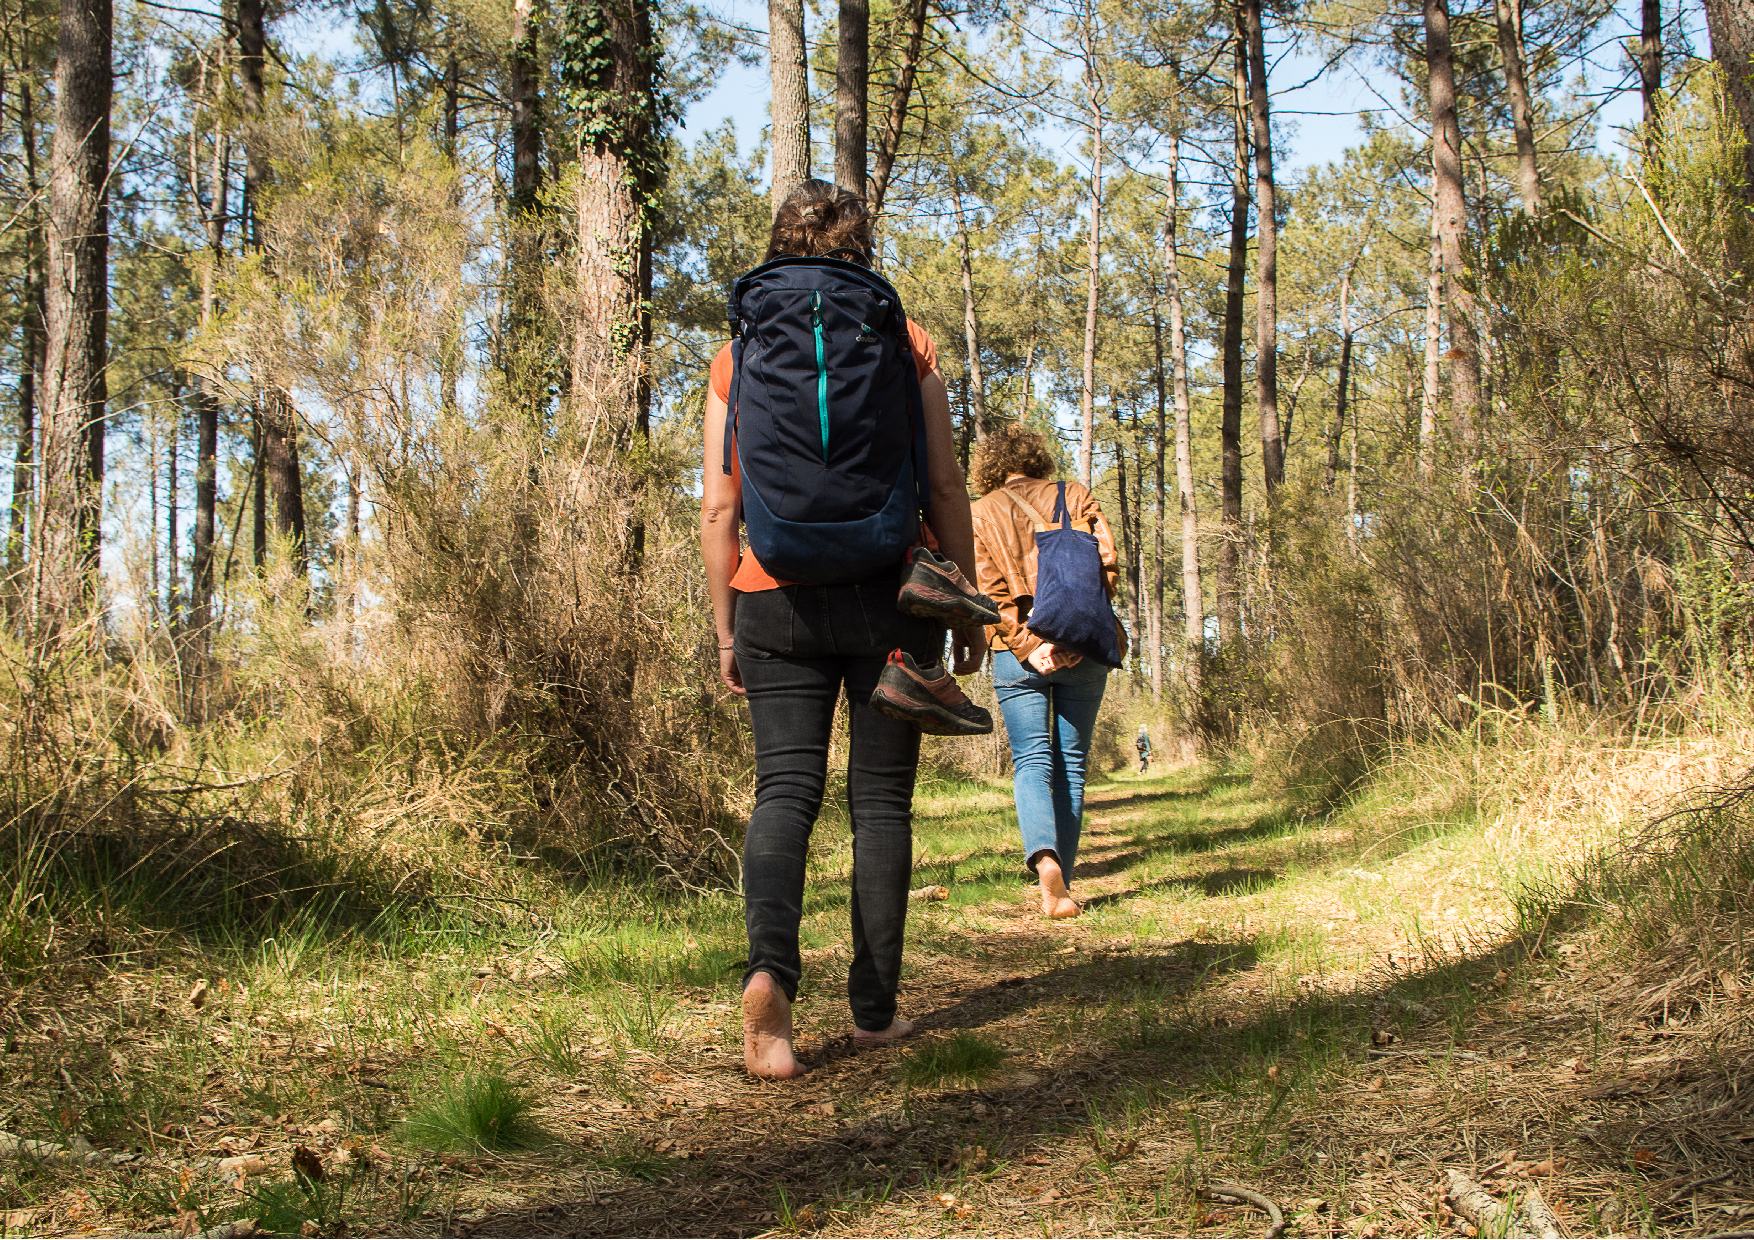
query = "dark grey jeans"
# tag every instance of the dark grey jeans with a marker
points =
(796, 647)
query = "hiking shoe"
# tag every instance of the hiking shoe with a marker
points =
(934, 588)
(928, 698)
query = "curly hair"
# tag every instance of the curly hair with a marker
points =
(817, 219)
(1009, 450)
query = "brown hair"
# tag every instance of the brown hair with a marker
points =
(1009, 450)
(817, 219)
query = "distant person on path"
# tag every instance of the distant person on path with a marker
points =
(1142, 743)
(1049, 695)
(789, 647)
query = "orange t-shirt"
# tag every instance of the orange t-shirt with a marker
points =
(750, 576)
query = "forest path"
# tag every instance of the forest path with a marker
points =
(1330, 1014)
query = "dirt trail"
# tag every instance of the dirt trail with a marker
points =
(1140, 1069)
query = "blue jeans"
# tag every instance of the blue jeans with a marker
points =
(1049, 720)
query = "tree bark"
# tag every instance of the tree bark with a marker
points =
(1129, 543)
(889, 141)
(1522, 111)
(1093, 272)
(173, 609)
(69, 506)
(1154, 610)
(852, 79)
(1731, 26)
(30, 354)
(1433, 350)
(1345, 378)
(971, 331)
(523, 88)
(258, 490)
(1452, 221)
(1266, 255)
(789, 72)
(620, 173)
(526, 341)
(281, 473)
(214, 218)
(278, 439)
(1193, 596)
(450, 363)
(1230, 425)
(1650, 59)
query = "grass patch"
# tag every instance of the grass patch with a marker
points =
(477, 1111)
(961, 1062)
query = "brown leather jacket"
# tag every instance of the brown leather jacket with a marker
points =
(1004, 553)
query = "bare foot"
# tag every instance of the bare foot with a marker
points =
(767, 1030)
(1056, 902)
(898, 1029)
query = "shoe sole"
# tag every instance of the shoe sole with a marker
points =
(934, 597)
(934, 721)
(944, 612)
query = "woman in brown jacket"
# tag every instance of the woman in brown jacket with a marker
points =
(1050, 697)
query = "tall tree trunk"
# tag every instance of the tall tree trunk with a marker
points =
(1650, 60)
(889, 141)
(971, 331)
(1129, 544)
(621, 167)
(1154, 613)
(1522, 111)
(852, 79)
(1433, 351)
(1230, 425)
(525, 344)
(278, 438)
(1193, 596)
(1093, 267)
(1266, 255)
(1731, 25)
(1139, 607)
(281, 473)
(173, 516)
(1452, 222)
(450, 363)
(74, 392)
(258, 490)
(789, 71)
(30, 354)
(1345, 379)
(207, 402)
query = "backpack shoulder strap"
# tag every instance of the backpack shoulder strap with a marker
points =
(1028, 509)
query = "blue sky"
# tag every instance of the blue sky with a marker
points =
(1324, 113)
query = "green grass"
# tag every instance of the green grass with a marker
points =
(960, 1062)
(474, 1112)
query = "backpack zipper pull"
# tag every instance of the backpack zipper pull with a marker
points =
(821, 370)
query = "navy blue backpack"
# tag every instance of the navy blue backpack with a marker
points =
(826, 420)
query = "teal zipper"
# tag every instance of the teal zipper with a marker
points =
(821, 371)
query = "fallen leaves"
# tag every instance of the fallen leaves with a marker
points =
(308, 1163)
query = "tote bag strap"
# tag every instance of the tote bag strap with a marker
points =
(1029, 510)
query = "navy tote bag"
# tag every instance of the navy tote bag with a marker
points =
(1071, 606)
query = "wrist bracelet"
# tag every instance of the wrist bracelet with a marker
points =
(732, 646)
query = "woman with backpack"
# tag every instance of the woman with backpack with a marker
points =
(1049, 692)
(826, 341)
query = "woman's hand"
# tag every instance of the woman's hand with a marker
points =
(968, 648)
(1048, 657)
(728, 672)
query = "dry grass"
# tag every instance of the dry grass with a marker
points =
(1331, 1009)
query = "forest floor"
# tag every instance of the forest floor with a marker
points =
(1332, 1011)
